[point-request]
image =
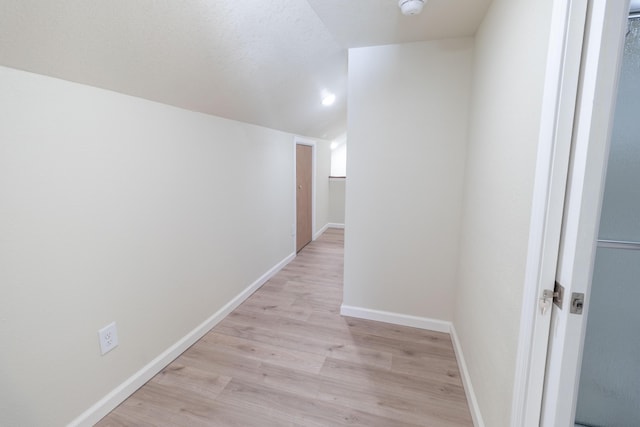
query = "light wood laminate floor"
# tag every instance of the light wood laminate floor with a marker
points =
(286, 357)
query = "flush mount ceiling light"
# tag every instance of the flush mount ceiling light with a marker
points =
(411, 7)
(328, 98)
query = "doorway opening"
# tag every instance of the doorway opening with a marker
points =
(304, 192)
(610, 371)
(564, 243)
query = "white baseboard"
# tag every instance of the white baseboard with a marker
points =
(319, 232)
(431, 325)
(326, 226)
(474, 408)
(105, 405)
(396, 318)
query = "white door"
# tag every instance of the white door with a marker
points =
(585, 47)
(604, 37)
(609, 387)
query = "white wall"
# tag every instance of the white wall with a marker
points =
(339, 160)
(407, 136)
(336, 200)
(323, 170)
(118, 208)
(337, 185)
(510, 58)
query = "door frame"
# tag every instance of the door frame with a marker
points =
(552, 164)
(604, 44)
(584, 54)
(304, 141)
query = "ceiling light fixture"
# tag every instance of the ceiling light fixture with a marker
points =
(411, 7)
(328, 98)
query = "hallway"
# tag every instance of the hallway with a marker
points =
(286, 357)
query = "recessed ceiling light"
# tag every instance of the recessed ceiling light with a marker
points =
(328, 98)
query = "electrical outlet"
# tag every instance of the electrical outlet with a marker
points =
(108, 337)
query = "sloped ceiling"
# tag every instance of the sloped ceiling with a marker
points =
(257, 61)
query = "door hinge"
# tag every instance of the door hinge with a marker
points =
(558, 295)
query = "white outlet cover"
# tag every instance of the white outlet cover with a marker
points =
(108, 338)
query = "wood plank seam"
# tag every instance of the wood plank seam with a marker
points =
(287, 357)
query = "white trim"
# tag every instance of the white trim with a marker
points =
(319, 232)
(554, 146)
(474, 407)
(303, 141)
(430, 325)
(396, 318)
(605, 33)
(326, 226)
(105, 405)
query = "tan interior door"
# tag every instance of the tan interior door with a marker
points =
(304, 166)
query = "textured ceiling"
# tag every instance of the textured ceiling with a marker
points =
(257, 61)
(357, 23)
